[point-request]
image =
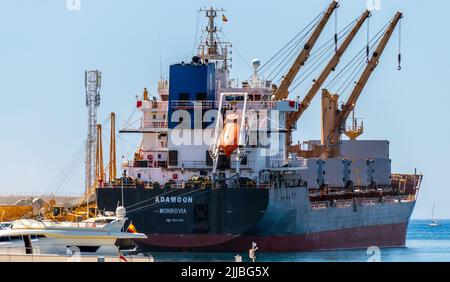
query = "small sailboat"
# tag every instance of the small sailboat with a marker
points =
(434, 222)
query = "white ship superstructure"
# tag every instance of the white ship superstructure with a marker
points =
(217, 168)
(184, 151)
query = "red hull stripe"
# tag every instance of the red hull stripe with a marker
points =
(387, 235)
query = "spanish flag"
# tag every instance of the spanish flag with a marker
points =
(131, 228)
(224, 19)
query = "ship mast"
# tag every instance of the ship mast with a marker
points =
(212, 48)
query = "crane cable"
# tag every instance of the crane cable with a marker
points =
(317, 55)
(237, 50)
(291, 55)
(357, 69)
(399, 45)
(321, 58)
(297, 38)
(354, 60)
(273, 58)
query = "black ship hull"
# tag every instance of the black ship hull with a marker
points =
(276, 219)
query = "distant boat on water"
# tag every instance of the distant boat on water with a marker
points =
(434, 222)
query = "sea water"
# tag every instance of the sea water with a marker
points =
(423, 244)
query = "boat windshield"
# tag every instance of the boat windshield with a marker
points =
(27, 224)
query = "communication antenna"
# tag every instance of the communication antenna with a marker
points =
(92, 82)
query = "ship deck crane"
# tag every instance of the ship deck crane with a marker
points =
(334, 132)
(334, 61)
(99, 169)
(112, 150)
(282, 91)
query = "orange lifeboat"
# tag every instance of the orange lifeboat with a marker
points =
(229, 136)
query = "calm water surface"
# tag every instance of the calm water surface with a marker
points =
(423, 243)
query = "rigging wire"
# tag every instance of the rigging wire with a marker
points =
(290, 55)
(196, 33)
(321, 57)
(344, 86)
(69, 168)
(310, 71)
(353, 61)
(237, 50)
(356, 71)
(271, 61)
(65, 170)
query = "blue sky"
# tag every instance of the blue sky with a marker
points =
(45, 49)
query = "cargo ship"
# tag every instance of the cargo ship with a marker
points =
(217, 169)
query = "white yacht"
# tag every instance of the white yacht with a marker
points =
(90, 240)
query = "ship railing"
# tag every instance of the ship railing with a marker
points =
(368, 201)
(399, 199)
(131, 184)
(154, 124)
(195, 164)
(398, 176)
(255, 186)
(390, 200)
(207, 104)
(205, 165)
(344, 203)
(147, 163)
(174, 104)
(176, 186)
(155, 105)
(254, 105)
(263, 186)
(320, 205)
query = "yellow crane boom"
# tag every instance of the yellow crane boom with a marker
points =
(99, 171)
(294, 117)
(112, 150)
(282, 91)
(361, 83)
